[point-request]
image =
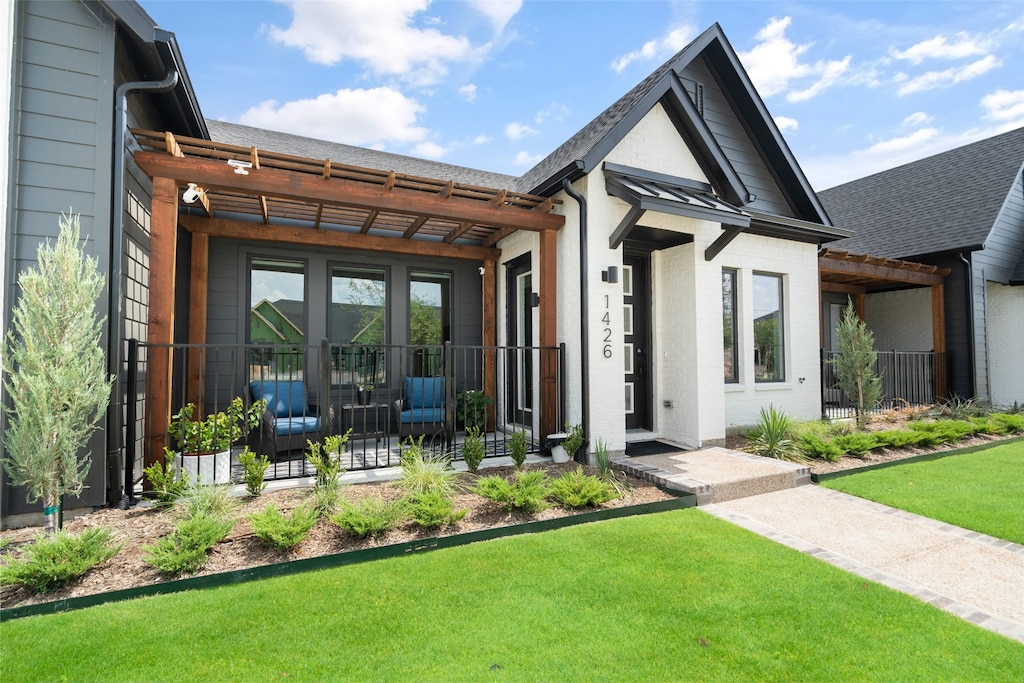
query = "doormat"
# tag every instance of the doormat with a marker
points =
(639, 448)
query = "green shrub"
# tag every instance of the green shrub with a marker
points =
(527, 490)
(424, 472)
(471, 408)
(185, 549)
(1013, 422)
(815, 446)
(432, 510)
(253, 468)
(517, 448)
(326, 459)
(857, 443)
(772, 438)
(371, 516)
(574, 439)
(578, 490)
(604, 468)
(53, 561)
(163, 477)
(207, 499)
(960, 408)
(898, 438)
(944, 431)
(473, 448)
(282, 531)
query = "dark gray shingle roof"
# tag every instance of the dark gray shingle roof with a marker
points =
(945, 202)
(287, 143)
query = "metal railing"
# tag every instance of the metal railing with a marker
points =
(380, 395)
(908, 378)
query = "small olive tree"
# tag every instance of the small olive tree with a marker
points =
(855, 363)
(55, 373)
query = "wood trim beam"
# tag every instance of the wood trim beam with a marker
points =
(242, 230)
(337, 192)
(490, 336)
(415, 227)
(841, 288)
(730, 233)
(371, 218)
(163, 251)
(548, 336)
(198, 284)
(458, 232)
(497, 237)
(878, 272)
(939, 318)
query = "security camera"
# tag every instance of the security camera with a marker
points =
(191, 194)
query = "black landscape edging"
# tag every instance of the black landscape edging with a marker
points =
(825, 476)
(342, 559)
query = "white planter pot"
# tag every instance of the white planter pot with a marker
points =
(558, 454)
(208, 468)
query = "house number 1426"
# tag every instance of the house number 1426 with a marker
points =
(607, 320)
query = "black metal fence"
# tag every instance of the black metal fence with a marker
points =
(379, 396)
(908, 378)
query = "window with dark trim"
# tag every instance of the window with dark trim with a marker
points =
(359, 306)
(730, 356)
(277, 301)
(769, 329)
(429, 308)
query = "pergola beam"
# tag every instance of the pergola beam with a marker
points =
(272, 182)
(244, 230)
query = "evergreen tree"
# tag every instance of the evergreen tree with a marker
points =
(855, 363)
(55, 373)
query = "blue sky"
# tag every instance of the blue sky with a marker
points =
(856, 87)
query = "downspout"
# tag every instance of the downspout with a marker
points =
(970, 337)
(584, 310)
(115, 304)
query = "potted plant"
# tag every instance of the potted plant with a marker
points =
(565, 444)
(205, 445)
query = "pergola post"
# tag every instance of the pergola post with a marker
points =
(162, 255)
(939, 339)
(198, 280)
(548, 332)
(490, 336)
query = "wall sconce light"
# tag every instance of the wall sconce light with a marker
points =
(192, 194)
(241, 167)
(610, 275)
(534, 299)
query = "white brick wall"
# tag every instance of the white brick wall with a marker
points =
(900, 320)
(1006, 343)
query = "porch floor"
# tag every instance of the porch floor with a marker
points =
(716, 475)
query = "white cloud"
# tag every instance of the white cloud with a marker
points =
(482, 139)
(556, 111)
(1004, 105)
(355, 117)
(672, 42)
(895, 145)
(786, 123)
(940, 48)
(918, 118)
(468, 92)
(526, 159)
(943, 79)
(380, 34)
(831, 73)
(498, 12)
(429, 150)
(518, 131)
(775, 60)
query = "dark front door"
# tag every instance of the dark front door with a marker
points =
(519, 285)
(636, 327)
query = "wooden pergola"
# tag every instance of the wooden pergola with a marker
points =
(857, 274)
(245, 193)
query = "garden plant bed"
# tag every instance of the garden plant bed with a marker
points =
(142, 526)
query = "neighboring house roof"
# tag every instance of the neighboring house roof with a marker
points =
(236, 134)
(943, 203)
(581, 153)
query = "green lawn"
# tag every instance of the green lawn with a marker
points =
(981, 490)
(671, 596)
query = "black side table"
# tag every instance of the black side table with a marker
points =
(365, 420)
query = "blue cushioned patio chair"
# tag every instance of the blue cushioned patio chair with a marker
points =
(288, 420)
(422, 409)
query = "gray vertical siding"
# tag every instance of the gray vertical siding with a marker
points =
(735, 142)
(60, 159)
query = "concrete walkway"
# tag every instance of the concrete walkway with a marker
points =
(976, 577)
